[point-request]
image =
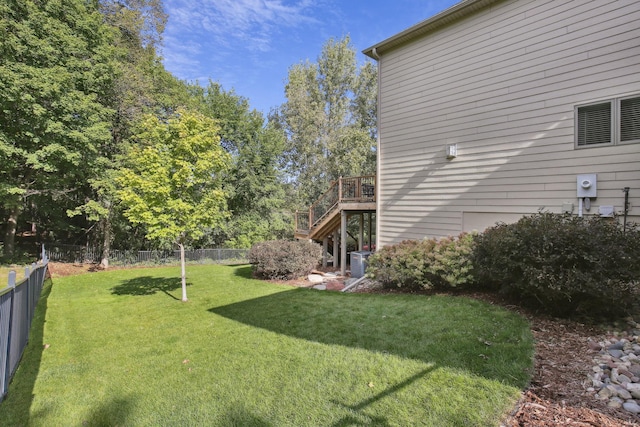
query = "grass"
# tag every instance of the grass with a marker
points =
(121, 349)
(4, 274)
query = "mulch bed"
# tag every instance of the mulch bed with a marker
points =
(557, 395)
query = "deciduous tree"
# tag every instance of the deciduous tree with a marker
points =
(172, 181)
(54, 64)
(329, 119)
(254, 181)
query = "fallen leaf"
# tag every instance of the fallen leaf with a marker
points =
(185, 361)
(46, 346)
(370, 385)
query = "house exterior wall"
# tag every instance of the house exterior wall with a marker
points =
(503, 85)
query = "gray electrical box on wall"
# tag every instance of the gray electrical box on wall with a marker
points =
(587, 186)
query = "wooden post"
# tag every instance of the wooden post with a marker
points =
(339, 189)
(370, 231)
(343, 242)
(325, 255)
(310, 220)
(361, 231)
(336, 239)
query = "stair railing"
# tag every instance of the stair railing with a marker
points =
(352, 189)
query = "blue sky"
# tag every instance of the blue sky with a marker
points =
(249, 45)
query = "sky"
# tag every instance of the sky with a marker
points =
(249, 45)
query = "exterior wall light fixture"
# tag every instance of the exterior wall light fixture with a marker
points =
(452, 151)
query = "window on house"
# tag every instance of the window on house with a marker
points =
(608, 122)
(594, 124)
(630, 119)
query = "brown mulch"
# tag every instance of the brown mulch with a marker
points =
(60, 269)
(557, 395)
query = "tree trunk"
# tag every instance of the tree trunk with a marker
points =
(106, 243)
(10, 232)
(184, 274)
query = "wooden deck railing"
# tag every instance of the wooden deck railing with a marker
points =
(353, 189)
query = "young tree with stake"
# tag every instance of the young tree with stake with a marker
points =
(172, 181)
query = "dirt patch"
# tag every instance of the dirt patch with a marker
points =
(61, 269)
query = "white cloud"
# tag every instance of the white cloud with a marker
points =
(247, 23)
(181, 56)
(202, 35)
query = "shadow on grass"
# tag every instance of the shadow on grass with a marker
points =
(148, 285)
(444, 331)
(461, 334)
(245, 271)
(351, 420)
(15, 408)
(239, 416)
(114, 412)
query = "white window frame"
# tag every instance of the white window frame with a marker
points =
(616, 123)
(619, 122)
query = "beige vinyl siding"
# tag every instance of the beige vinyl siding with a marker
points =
(503, 84)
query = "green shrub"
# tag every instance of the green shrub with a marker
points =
(564, 263)
(451, 260)
(424, 264)
(283, 259)
(401, 265)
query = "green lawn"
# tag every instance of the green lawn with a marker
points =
(4, 275)
(121, 349)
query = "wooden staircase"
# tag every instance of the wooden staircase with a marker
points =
(328, 215)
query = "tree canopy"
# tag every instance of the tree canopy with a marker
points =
(171, 181)
(329, 119)
(56, 61)
(101, 146)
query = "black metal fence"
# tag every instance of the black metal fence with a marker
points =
(80, 254)
(18, 303)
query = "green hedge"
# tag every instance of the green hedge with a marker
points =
(424, 264)
(562, 263)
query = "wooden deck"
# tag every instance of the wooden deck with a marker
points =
(327, 218)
